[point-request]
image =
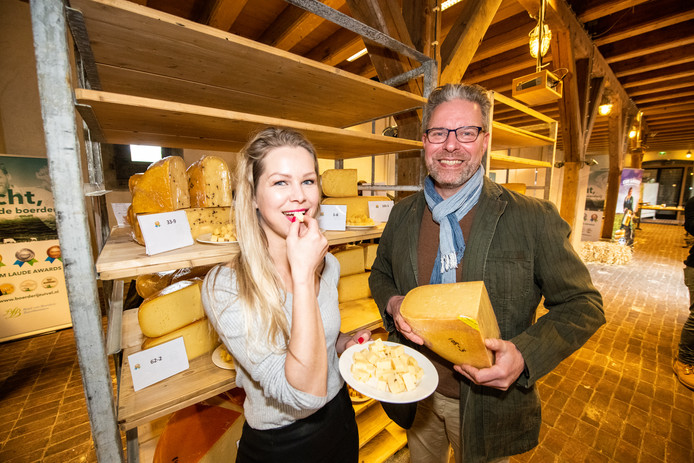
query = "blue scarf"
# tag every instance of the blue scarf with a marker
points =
(447, 213)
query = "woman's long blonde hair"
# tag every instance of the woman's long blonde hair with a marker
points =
(259, 286)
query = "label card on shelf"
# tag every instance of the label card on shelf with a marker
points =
(157, 363)
(332, 217)
(379, 211)
(165, 231)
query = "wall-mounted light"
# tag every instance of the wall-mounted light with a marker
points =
(632, 133)
(605, 107)
(689, 154)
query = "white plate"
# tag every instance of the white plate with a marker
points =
(205, 238)
(217, 359)
(426, 387)
(360, 227)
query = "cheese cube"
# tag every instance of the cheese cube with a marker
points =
(410, 382)
(338, 183)
(454, 319)
(163, 187)
(199, 338)
(353, 287)
(351, 259)
(356, 205)
(209, 182)
(370, 250)
(171, 308)
(396, 384)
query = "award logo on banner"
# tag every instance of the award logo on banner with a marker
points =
(33, 296)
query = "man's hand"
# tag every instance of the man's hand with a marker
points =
(393, 309)
(507, 368)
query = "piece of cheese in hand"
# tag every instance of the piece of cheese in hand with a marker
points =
(209, 182)
(172, 308)
(453, 320)
(163, 187)
(199, 338)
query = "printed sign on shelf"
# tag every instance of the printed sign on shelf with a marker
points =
(332, 217)
(157, 363)
(165, 231)
(33, 295)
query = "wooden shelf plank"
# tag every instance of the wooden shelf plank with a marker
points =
(511, 162)
(359, 314)
(144, 52)
(505, 136)
(384, 445)
(125, 119)
(371, 422)
(121, 257)
(201, 381)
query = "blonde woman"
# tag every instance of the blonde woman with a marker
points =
(275, 308)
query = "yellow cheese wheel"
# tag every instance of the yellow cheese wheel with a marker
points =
(353, 287)
(454, 320)
(519, 187)
(209, 182)
(199, 338)
(163, 187)
(356, 205)
(172, 308)
(339, 183)
(351, 259)
(206, 432)
(188, 273)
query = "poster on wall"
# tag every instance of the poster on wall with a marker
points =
(595, 205)
(627, 200)
(33, 296)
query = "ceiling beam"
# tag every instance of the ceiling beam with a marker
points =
(465, 37)
(222, 13)
(294, 24)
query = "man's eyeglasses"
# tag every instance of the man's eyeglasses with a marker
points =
(465, 134)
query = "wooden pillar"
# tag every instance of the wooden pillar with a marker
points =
(616, 132)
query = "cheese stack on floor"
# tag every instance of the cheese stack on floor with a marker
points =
(207, 432)
(204, 191)
(176, 311)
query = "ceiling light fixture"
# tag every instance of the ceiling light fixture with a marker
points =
(358, 54)
(689, 154)
(449, 3)
(540, 37)
(605, 107)
(632, 133)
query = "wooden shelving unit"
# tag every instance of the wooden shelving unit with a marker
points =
(505, 136)
(157, 79)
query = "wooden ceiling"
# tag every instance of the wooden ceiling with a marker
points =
(647, 45)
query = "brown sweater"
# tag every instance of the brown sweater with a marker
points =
(426, 255)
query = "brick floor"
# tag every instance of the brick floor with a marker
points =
(615, 400)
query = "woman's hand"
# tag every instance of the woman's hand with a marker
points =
(345, 341)
(306, 248)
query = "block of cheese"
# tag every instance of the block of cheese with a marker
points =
(209, 182)
(163, 187)
(356, 205)
(173, 307)
(199, 338)
(351, 259)
(201, 433)
(370, 250)
(205, 219)
(147, 285)
(339, 183)
(353, 287)
(454, 319)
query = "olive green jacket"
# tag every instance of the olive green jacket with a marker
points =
(519, 246)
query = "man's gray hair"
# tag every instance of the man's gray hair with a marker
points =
(470, 92)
